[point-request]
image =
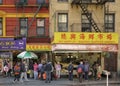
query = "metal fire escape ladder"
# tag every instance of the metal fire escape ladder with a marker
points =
(91, 20)
(84, 9)
(40, 5)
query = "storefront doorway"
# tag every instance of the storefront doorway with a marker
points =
(108, 60)
(75, 57)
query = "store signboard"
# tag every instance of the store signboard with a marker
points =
(112, 48)
(38, 47)
(85, 38)
(12, 44)
(5, 54)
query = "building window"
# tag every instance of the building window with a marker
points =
(40, 27)
(86, 25)
(86, 1)
(62, 22)
(105, 0)
(40, 1)
(111, 0)
(109, 22)
(1, 27)
(62, 0)
(23, 1)
(1, 1)
(23, 26)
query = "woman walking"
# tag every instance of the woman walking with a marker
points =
(16, 72)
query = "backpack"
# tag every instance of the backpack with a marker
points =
(79, 70)
(70, 67)
(86, 67)
(17, 70)
(48, 67)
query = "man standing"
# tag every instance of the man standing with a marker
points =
(48, 69)
(80, 69)
(23, 72)
(70, 71)
(86, 70)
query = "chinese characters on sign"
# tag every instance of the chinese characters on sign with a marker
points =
(85, 38)
(40, 47)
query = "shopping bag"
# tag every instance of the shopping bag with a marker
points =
(44, 76)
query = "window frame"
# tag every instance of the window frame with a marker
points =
(40, 2)
(85, 23)
(110, 24)
(62, 22)
(23, 27)
(1, 2)
(62, 0)
(86, 1)
(1, 21)
(111, 0)
(41, 27)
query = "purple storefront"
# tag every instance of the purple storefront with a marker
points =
(9, 47)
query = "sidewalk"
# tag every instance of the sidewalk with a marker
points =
(8, 81)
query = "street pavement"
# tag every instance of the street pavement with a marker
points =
(8, 81)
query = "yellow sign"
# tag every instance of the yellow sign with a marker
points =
(85, 38)
(38, 47)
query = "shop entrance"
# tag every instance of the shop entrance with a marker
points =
(107, 60)
(75, 57)
(5, 61)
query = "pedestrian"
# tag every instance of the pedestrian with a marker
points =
(52, 75)
(42, 70)
(48, 69)
(31, 69)
(86, 70)
(80, 69)
(16, 72)
(10, 68)
(35, 70)
(70, 71)
(5, 70)
(94, 67)
(58, 69)
(99, 72)
(23, 71)
(39, 70)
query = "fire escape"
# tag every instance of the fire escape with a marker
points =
(22, 4)
(82, 5)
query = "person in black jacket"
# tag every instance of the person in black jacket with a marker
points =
(70, 71)
(48, 69)
(23, 71)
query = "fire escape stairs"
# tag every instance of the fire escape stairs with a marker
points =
(21, 4)
(30, 24)
(91, 20)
